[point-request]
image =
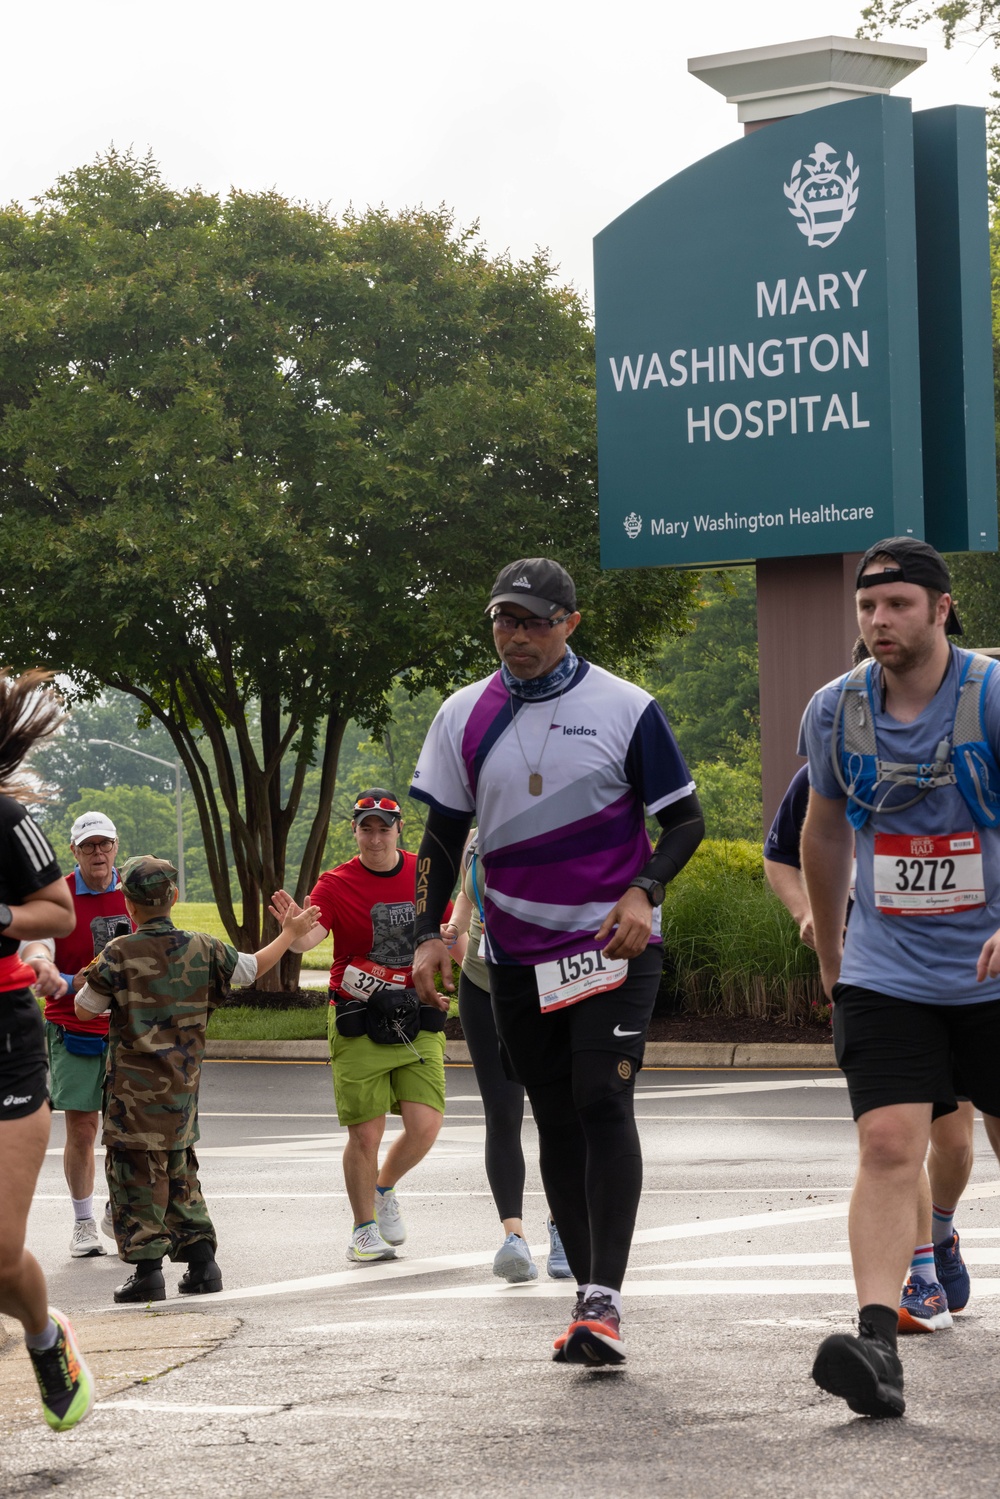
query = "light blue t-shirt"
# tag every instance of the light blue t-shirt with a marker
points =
(930, 959)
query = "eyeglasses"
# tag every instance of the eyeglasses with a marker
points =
(370, 803)
(509, 623)
(103, 846)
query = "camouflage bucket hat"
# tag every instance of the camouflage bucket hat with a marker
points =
(149, 881)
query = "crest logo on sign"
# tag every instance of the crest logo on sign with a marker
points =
(633, 525)
(823, 199)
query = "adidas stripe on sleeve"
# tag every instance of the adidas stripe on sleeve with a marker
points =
(27, 859)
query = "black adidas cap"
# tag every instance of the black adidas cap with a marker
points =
(536, 582)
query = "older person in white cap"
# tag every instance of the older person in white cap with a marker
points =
(77, 1048)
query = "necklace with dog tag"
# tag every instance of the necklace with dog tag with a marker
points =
(534, 776)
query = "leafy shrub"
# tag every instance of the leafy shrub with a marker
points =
(732, 948)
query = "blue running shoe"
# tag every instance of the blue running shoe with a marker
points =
(513, 1263)
(923, 1306)
(952, 1274)
(558, 1264)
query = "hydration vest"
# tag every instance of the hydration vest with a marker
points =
(965, 758)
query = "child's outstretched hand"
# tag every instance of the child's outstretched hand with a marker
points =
(299, 923)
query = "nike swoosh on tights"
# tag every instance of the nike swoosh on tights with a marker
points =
(619, 1032)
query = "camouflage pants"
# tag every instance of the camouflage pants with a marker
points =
(156, 1203)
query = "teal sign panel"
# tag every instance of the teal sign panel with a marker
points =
(758, 380)
(956, 334)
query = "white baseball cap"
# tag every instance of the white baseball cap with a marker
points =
(91, 825)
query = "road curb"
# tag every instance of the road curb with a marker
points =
(769, 1054)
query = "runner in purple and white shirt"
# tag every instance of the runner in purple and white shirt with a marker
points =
(557, 759)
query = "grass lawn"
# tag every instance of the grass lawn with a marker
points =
(241, 1023)
(203, 916)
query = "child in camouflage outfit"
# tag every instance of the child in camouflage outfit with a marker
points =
(160, 986)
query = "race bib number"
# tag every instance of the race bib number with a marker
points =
(566, 981)
(362, 978)
(917, 876)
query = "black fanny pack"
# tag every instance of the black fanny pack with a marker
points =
(82, 1043)
(389, 1017)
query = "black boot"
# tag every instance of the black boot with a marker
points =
(200, 1279)
(146, 1283)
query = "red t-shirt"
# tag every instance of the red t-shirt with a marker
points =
(74, 952)
(370, 914)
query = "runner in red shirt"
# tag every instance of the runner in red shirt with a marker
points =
(380, 1065)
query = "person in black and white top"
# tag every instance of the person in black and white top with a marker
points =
(34, 902)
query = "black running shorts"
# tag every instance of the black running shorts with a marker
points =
(24, 1067)
(895, 1051)
(539, 1048)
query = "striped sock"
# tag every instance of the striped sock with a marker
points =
(942, 1223)
(922, 1263)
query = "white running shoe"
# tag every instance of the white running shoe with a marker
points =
(389, 1218)
(513, 1263)
(107, 1222)
(368, 1245)
(85, 1244)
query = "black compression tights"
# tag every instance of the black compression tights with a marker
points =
(591, 1166)
(503, 1101)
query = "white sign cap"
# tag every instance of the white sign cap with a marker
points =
(92, 825)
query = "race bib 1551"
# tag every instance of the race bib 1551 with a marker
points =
(566, 981)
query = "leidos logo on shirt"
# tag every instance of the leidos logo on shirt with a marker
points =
(566, 728)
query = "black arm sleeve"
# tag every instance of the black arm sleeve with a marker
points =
(439, 865)
(683, 827)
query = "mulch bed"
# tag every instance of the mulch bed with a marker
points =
(741, 1029)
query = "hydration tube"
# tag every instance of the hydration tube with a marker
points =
(942, 756)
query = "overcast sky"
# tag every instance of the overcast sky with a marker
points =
(544, 119)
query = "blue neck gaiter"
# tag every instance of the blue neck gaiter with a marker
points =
(540, 687)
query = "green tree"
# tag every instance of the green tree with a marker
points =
(730, 793)
(706, 680)
(957, 18)
(69, 761)
(387, 760)
(976, 575)
(256, 462)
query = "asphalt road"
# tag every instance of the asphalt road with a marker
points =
(431, 1378)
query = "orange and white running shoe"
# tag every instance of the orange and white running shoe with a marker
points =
(594, 1335)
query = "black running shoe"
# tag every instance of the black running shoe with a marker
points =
(143, 1286)
(864, 1371)
(200, 1280)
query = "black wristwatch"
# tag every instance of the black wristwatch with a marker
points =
(434, 936)
(6, 916)
(653, 890)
